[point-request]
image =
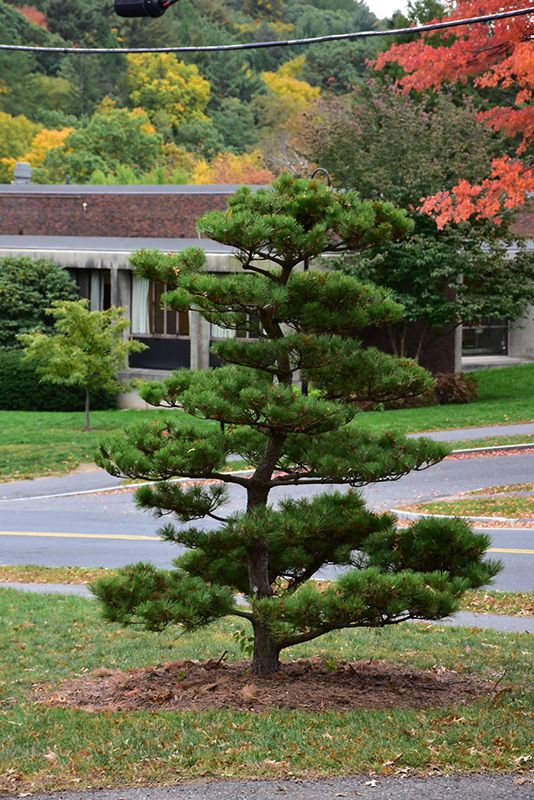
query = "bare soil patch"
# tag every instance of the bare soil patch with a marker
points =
(310, 685)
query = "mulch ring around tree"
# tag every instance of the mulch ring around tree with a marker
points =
(308, 685)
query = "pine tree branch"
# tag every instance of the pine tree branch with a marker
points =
(215, 517)
(293, 479)
(225, 477)
(259, 271)
(261, 256)
(242, 614)
(294, 583)
(299, 479)
(308, 637)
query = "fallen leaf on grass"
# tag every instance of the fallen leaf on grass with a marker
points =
(51, 757)
(392, 760)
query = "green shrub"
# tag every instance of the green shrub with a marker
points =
(22, 390)
(27, 288)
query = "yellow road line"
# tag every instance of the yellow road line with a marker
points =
(54, 535)
(120, 536)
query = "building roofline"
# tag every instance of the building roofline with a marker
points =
(107, 244)
(139, 189)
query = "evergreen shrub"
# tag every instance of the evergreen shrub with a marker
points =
(28, 287)
(22, 390)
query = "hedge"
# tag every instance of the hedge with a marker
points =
(21, 389)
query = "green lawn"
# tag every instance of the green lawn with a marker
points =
(48, 639)
(505, 396)
(35, 443)
(48, 443)
(495, 506)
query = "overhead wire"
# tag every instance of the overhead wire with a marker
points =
(221, 48)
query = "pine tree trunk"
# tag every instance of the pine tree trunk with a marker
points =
(265, 659)
(87, 408)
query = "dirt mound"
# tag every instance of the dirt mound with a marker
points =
(310, 685)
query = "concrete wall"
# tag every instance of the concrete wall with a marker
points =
(521, 337)
(521, 333)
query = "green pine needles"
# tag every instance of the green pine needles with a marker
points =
(307, 325)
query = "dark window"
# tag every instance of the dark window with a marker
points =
(106, 289)
(165, 321)
(487, 338)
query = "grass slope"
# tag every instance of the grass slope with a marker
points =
(36, 443)
(505, 396)
(47, 639)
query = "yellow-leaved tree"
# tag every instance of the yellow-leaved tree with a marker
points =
(16, 136)
(286, 84)
(170, 91)
(42, 143)
(232, 168)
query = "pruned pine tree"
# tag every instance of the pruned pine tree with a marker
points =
(308, 323)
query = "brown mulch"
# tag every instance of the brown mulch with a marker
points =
(309, 685)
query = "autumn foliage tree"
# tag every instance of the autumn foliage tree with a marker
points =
(498, 59)
(307, 323)
(231, 168)
(111, 137)
(287, 84)
(42, 143)
(167, 88)
(383, 143)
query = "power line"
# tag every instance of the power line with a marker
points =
(220, 48)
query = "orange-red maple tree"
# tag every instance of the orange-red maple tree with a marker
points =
(497, 55)
(33, 15)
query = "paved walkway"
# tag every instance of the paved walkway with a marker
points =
(461, 787)
(458, 434)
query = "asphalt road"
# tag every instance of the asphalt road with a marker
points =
(462, 787)
(105, 529)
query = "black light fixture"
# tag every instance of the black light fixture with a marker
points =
(142, 8)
